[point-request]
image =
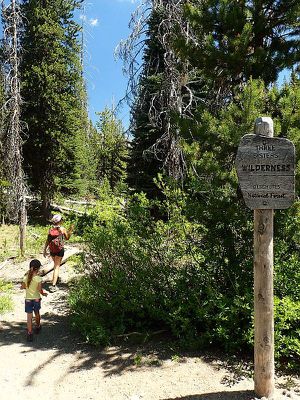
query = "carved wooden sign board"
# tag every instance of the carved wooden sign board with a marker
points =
(266, 171)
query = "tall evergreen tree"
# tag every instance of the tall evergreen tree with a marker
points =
(54, 151)
(232, 41)
(110, 149)
(162, 99)
(226, 43)
(144, 165)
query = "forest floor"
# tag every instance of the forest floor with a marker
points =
(58, 366)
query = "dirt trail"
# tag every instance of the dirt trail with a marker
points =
(56, 366)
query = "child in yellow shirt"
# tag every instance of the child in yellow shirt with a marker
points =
(32, 282)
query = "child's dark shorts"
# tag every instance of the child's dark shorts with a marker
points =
(59, 254)
(32, 305)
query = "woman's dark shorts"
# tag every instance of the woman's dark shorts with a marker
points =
(59, 254)
(32, 305)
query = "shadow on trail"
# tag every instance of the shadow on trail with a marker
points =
(56, 336)
(239, 395)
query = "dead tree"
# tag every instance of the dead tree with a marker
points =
(175, 99)
(16, 203)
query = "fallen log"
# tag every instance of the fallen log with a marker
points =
(61, 209)
(84, 203)
(2, 265)
(48, 266)
(57, 207)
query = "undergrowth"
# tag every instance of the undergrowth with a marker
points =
(6, 303)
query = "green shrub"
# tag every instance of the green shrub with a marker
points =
(144, 273)
(6, 303)
(287, 332)
(151, 273)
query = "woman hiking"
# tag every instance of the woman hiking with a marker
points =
(55, 241)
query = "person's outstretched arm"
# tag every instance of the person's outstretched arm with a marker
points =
(67, 233)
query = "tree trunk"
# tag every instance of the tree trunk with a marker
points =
(46, 204)
(22, 226)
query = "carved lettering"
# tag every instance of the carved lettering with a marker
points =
(267, 187)
(264, 147)
(266, 168)
(265, 155)
(266, 171)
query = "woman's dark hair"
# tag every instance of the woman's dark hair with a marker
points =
(34, 265)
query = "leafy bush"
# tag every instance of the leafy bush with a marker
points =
(287, 332)
(146, 273)
(143, 274)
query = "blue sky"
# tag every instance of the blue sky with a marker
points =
(106, 24)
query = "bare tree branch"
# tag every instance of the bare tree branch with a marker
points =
(174, 98)
(16, 203)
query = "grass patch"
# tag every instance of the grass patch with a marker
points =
(35, 239)
(9, 241)
(6, 303)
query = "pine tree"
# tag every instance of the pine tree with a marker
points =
(110, 149)
(144, 165)
(162, 99)
(214, 197)
(55, 148)
(233, 41)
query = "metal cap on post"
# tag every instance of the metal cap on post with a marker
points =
(264, 126)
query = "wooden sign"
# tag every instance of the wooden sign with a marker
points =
(266, 171)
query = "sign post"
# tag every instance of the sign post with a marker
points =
(266, 172)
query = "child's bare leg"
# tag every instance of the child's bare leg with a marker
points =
(37, 318)
(57, 262)
(29, 322)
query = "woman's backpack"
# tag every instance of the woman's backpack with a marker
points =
(56, 239)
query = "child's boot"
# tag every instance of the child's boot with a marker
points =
(29, 337)
(37, 329)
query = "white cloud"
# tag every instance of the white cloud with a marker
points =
(93, 21)
(127, 1)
